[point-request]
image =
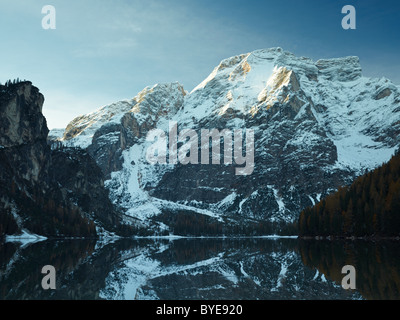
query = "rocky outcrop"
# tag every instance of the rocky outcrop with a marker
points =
(341, 69)
(48, 192)
(22, 121)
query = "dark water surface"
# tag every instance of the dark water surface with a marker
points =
(256, 269)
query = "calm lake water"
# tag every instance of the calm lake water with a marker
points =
(201, 269)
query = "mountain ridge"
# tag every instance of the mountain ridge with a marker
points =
(318, 125)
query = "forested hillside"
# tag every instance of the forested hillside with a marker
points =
(369, 207)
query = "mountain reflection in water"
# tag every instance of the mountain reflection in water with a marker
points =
(252, 268)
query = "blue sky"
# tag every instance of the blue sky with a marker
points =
(103, 51)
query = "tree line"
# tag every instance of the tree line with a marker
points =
(188, 223)
(10, 82)
(369, 207)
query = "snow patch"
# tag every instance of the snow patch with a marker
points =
(25, 238)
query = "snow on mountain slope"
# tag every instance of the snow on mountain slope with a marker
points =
(82, 129)
(357, 119)
(318, 124)
(342, 101)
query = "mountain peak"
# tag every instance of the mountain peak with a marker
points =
(160, 99)
(260, 64)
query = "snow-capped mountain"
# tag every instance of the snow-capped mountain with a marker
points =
(317, 125)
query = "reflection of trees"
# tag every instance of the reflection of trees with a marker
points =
(190, 251)
(377, 264)
(7, 252)
(22, 278)
(80, 269)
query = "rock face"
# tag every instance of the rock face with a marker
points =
(22, 121)
(50, 193)
(317, 125)
(106, 133)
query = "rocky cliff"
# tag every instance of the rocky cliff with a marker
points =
(52, 193)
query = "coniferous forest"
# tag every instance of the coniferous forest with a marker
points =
(370, 207)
